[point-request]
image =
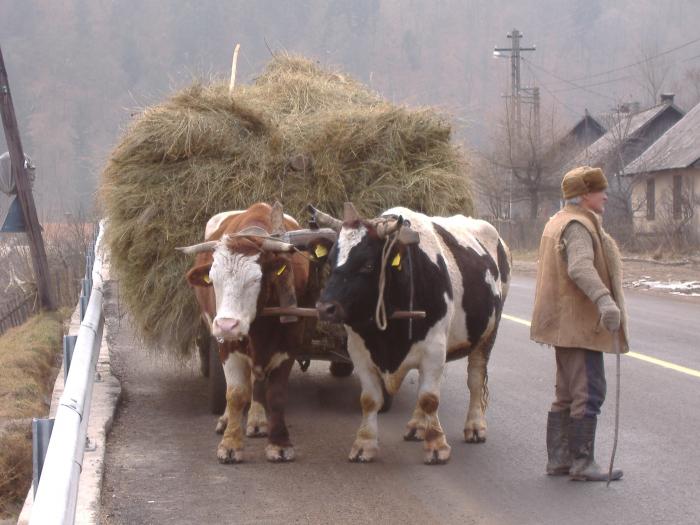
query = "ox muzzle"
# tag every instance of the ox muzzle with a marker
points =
(330, 311)
(228, 329)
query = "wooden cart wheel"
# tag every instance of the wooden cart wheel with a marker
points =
(341, 369)
(217, 380)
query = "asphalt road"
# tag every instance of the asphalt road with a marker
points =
(162, 467)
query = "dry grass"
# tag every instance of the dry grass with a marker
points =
(15, 469)
(27, 357)
(27, 365)
(204, 151)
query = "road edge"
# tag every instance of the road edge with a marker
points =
(106, 394)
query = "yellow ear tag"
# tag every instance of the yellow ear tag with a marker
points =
(282, 269)
(396, 263)
(206, 279)
(320, 251)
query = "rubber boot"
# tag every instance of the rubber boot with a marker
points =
(558, 455)
(582, 441)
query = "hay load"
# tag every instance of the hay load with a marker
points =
(299, 134)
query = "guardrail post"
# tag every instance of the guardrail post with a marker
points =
(83, 306)
(41, 434)
(68, 347)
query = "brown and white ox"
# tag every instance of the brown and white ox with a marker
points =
(237, 272)
(457, 270)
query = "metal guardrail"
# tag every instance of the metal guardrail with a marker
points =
(57, 490)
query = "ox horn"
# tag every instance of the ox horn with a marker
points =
(350, 213)
(273, 245)
(277, 218)
(207, 246)
(388, 227)
(324, 220)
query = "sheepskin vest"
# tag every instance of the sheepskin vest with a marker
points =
(563, 314)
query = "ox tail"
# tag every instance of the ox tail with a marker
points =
(505, 264)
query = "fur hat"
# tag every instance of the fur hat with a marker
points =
(582, 180)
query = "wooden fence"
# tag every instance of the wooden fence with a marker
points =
(16, 311)
(65, 284)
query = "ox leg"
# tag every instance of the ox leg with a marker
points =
(437, 450)
(415, 428)
(279, 448)
(475, 425)
(237, 371)
(257, 418)
(366, 444)
(222, 421)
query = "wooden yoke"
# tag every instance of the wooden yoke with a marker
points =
(285, 282)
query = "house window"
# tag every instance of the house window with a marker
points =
(651, 199)
(677, 197)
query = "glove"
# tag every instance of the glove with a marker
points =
(609, 313)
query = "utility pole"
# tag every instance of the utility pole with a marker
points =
(515, 116)
(24, 191)
(532, 96)
(515, 49)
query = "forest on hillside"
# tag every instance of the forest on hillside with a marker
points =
(79, 68)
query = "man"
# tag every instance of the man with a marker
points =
(579, 310)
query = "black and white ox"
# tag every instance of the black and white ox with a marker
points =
(457, 270)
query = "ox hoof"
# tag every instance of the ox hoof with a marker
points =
(256, 431)
(229, 455)
(475, 434)
(437, 456)
(414, 434)
(221, 425)
(363, 452)
(278, 454)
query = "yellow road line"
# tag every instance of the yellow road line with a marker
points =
(516, 319)
(636, 355)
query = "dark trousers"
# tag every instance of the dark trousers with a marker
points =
(580, 382)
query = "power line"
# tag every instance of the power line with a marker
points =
(596, 84)
(568, 81)
(537, 79)
(587, 77)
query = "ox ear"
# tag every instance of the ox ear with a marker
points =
(408, 236)
(320, 248)
(199, 275)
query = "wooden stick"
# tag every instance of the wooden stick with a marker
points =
(233, 69)
(312, 312)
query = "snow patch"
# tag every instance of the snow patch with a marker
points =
(691, 288)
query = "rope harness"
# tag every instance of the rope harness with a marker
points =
(380, 311)
(380, 316)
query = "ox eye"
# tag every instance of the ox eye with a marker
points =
(367, 268)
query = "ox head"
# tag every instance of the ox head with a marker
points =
(352, 290)
(241, 269)
(234, 268)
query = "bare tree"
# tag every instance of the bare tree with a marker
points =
(528, 158)
(653, 71)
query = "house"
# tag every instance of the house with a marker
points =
(582, 134)
(629, 132)
(665, 182)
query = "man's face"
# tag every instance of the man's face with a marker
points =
(595, 201)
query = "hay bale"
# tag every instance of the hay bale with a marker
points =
(299, 134)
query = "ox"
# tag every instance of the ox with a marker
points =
(239, 270)
(457, 270)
